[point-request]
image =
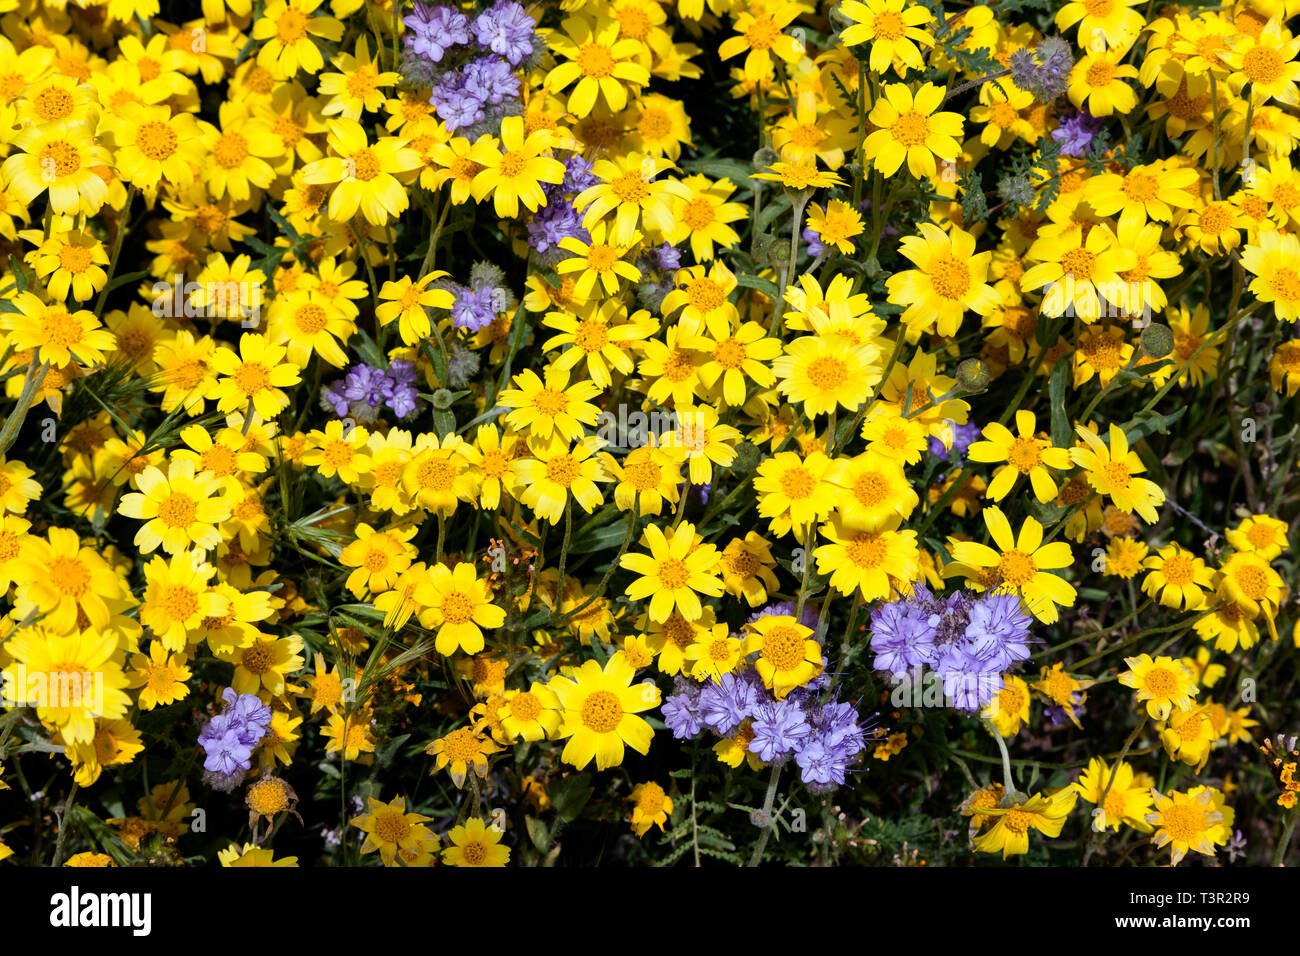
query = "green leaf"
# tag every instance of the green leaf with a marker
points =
(1056, 401)
(437, 360)
(711, 838)
(538, 833)
(123, 280)
(734, 170)
(444, 422)
(569, 795)
(384, 755)
(1149, 423)
(538, 619)
(20, 277)
(600, 539)
(765, 286)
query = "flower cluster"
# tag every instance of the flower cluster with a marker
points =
(228, 739)
(470, 65)
(365, 391)
(610, 407)
(970, 642)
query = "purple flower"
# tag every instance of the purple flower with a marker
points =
(507, 30)
(490, 80)
(578, 175)
(820, 764)
(1076, 132)
(779, 727)
(333, 398)
(901, 637)
(227, 754)
(667, 257)
(1045, 70)
(681, 709)
(553, 222)
(365, 389)
(456, 106)
(474, 309)
(965, 681)
(962, 437)
(228, 738)
(434, 28)
(998, 631)
(836, 724)
(814, 240)
(364, 384)
(725, 704)
(970, 642)
(399, 388)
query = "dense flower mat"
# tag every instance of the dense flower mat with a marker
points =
(651, 433)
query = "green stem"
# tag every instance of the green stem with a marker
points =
(1279, 854)
(768, 799)
(117, 250)
(604, 581)
(1114, 772)
(63, 826)
(564, 548)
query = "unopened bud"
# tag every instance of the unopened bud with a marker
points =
(1157, 340)
(746, 457)
(442, 399)
(765, 157)
(973, 375)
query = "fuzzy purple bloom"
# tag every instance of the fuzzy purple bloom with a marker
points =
(434, 28)
(555, 221)
(1076, 132)
(666, 257)
(968, 641)
(836, 724)
(725, 704)
(228, 738)
(507, 30)
(820, 764)
(998, 631)
(457, 106)
(365, 389)
(365, 384)
(474, 309)
(681, 709)
(962, 437)
(779, 728)
(901, 637)
(400, 393)
(814, 240)
(490, 80)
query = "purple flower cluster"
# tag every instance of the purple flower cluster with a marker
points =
(434, 28)
(1076, 132)
(228, 739)
(480, 301)
(470, 66)
(821, 735)
(962, 436)
(558, 219)
(969, 641)
(360, 394)
(814, 240)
